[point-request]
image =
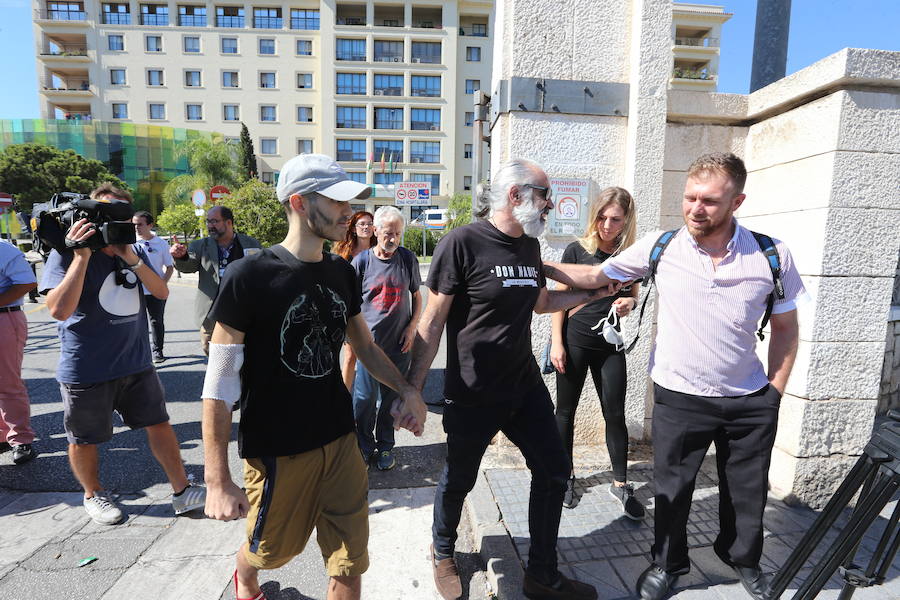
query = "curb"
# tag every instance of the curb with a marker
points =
(502, 563)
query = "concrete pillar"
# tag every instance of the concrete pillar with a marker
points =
(770, 42)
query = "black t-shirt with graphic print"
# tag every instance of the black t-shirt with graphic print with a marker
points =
(495, 281)
(294, 316)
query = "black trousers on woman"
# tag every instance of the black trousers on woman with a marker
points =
(610, 379)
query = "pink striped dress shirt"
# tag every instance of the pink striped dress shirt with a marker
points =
(708, 317)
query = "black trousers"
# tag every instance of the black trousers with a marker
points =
(610, 380)
(528, 423)
(743, 430)
(155, 310)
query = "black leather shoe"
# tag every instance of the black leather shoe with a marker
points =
(23, 453)
(564, 589)
(754, 581)
(5, 447)
(655, 584)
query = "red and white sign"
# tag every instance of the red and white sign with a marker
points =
(5, 199)
(217, 192)
(412, 193)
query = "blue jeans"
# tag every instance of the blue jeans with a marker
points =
(528, 422)
(372, 402)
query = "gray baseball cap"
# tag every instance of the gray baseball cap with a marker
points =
(307, 173)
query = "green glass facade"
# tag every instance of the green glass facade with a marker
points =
(143, 156)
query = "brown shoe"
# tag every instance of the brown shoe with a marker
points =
(446, 577)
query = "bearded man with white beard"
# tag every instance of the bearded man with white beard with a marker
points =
(485, 281)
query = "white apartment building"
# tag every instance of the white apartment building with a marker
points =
(355, 80)
(696, 33)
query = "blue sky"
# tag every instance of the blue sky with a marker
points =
(818, 28)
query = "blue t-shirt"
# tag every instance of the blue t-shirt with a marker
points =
(14, 269)
(106, 337)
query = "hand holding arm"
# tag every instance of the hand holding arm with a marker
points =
(553, 300)
(577, 276)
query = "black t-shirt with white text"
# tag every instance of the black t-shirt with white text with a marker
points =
(294, 316)
(495, 281)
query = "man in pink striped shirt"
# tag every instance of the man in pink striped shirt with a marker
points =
(713, 283)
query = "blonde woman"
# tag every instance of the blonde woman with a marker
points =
(577, 343)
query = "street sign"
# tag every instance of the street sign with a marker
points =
(5, 199)
(198, 198)
(217, 192)
(568, 218)
(412, 193)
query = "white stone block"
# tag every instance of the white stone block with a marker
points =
(862, 242)
(592, 23)
(810, 481)
(201, 578)
(672, 193)
(822, 427)
(801, 185)
(866, 180)
(705, 107)
(835, 370)
(686, 142)
(802, 232)
(845, 309)
(870, 122)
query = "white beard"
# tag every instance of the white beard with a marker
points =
(529, 219)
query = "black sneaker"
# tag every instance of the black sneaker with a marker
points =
(5, 447)
(23, 453)
(625, 494)
(158, 357)
(570, 499)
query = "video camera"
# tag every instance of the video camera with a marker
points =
(111, 218)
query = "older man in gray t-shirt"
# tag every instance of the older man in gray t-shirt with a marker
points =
(389, 278)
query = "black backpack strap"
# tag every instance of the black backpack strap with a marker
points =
(771, 253)
(655, 254)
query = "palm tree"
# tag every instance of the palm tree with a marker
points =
(211, 161)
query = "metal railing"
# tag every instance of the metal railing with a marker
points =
(268, 22)
(192, 20)
(388, 58)
(72, 85)
(304, 23)
(229, 21)
(60, 15)
(357, 21)
(159, 20)
(350, 156)
(65, 51)
(388, 91)
(115, 18)
(473, 31)
(350, 56)
(697, 42)
(424, 125)
(425, 93)
(426, 59)
(681, 73)
(78, 117)
(427, 25)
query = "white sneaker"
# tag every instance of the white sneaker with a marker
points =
(193, 497)
(102, 509)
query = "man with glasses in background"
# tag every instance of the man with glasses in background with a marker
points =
(157, 250)
(210, 256)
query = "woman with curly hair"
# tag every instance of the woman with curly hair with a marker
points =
(360, 237)
(577, 345)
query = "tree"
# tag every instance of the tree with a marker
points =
(412, 240)
(258, 213)
(212, 162)
(179, 218)
(460, 209)
(247, 155)
(34, 172)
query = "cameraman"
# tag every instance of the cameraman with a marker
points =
(104, 362)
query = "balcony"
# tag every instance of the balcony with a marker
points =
(396, 58)
(353, 15)
(350, 156)
(229, 21)
(74, 17)
(157, 20)
(389, 16)
(686, 73)
(115, 18)
(427, 18)
(693, 42)
(424, 126)
(268, 22)
(388, 91)
(192, 20)
(65, 53)
(66, 87)
(473, 31)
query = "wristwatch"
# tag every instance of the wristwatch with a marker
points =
(136, 265)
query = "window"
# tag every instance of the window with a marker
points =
(304, 114)
(388, 118)
(66, 11)
(154, 14)
(425, 152)
(267, 113)
(304, 47)
(467, 182)
(155, 77)
(119, 110)
(304, 146)
(267, 18)
(425, 119)
(194, 112)
(192, 78)
(191, 44)
(351, 83)
(153, 43)
(433, 178)
(357, 176)
(388, 85)
(428, 86)
(351, 150)
(304, 19)
(230, 79)
(388, 149)
(472, 85)
(117, 76)
(157, 111)
(229, 16)
(192, 16)
(388, 178)
(304, 81)
(473, 53)
(116, 43)
(467, 151)
(479, 29)
(229, 45)
(350, 117)
(267, 80)
(350, 49)
(388, 51)
(231, 112)
(115, 14)
(268, 146)
(266, 176)
(267, 46)
(426, 52)
(470, 119)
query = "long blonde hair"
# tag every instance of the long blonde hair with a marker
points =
(611, 195)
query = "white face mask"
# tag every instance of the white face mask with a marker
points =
(608, 329)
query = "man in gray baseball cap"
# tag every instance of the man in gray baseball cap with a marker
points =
(280, 319)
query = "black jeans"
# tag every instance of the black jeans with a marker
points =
(528, 423)
(155, 309)
(610, 379)
(743, 430)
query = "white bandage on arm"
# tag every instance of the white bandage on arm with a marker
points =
(223, 373)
